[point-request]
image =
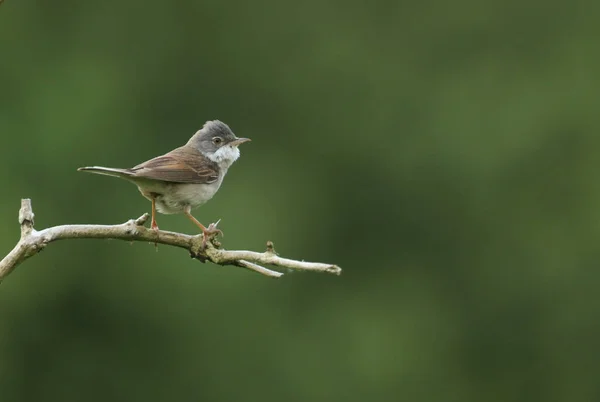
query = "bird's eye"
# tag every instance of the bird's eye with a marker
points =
(217, 140)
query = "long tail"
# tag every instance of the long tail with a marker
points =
(122, 173)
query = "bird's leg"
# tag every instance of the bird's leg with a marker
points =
(154, 225)
(206, 232)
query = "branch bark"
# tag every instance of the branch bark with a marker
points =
(33, 241)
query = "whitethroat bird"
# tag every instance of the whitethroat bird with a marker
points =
(186, 177)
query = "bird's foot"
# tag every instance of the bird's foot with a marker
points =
(210, 232)
(154, 226)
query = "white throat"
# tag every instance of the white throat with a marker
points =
(225, 156)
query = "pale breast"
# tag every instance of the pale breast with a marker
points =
(178, 196)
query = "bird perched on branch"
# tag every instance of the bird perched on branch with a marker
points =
(186, 177)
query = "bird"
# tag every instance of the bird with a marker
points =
(186, 177)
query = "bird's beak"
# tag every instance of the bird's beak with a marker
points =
(239, 141)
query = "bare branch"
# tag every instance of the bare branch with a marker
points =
(33, 241)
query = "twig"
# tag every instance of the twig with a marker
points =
(33, 241)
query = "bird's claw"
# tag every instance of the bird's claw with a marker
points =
(212, 229)
(154, 227)
(210, 232)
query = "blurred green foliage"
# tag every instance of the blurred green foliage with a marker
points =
(445, 154)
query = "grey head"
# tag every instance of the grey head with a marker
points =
(217, 142)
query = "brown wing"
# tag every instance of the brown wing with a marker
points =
(182, 165)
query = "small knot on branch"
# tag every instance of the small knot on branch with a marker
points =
(26, 212)
(141, 221)
(198, 249)
(271, 248)
(200, 257)
(26, 216)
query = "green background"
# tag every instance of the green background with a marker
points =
(444, 154)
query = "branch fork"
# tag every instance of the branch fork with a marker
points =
(33, 241)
